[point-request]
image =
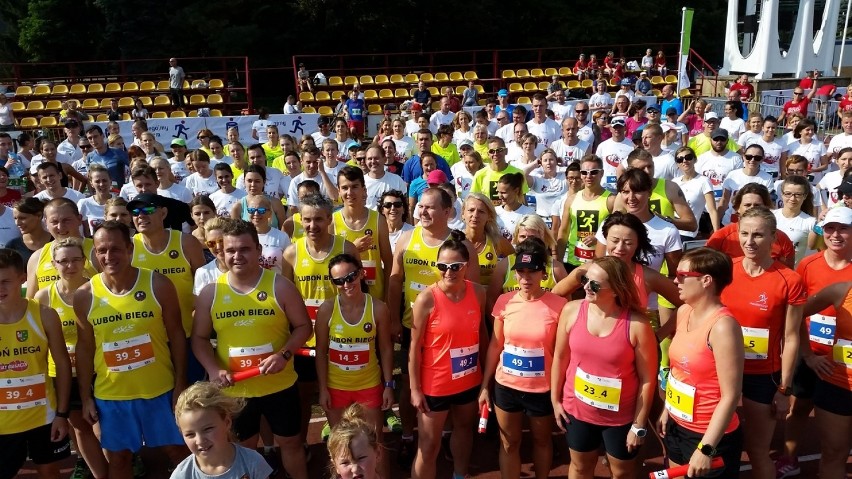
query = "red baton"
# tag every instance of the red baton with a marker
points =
(680, 471)
(243, 375)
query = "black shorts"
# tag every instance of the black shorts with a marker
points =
(443, 403)
(401, 356)
(306, 368)
(761, 388)
(35, 444)
(833, 399)
(804, 381)
(681, 444)
(531, 404)
(586, 437)
(282, 411)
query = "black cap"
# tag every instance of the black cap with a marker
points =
(323, 120)
(719, 133)
(146, 199)
(531, 261)
(671, 111)
(845, 188)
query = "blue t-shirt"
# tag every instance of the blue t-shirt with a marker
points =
(356, 109)
(114, 160)
(417, 187)
(411, 170)
(673, 103)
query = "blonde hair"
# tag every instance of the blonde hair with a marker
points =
(206, 395)
(69, 242)
(535, 223)
(492, 230)
(217, 223)
(352, 425)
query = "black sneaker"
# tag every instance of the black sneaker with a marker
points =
(273, 459)
(405, 456)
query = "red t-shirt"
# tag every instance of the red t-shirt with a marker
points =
(10, 198)
(801, 107)
(746, 90)
(806, 83)
(816, 275)
(727, 241)
(845, 104)
(580, 65)
(826, 89)
(759, 304)
(609, 62)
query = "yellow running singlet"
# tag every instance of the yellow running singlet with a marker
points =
(45, 272)
(487, 261)
(69, 329)
(371, 260)
(418, 262)
(312, 278)
(352, 359)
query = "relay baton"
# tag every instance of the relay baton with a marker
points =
(246, 374)
(483, 419)
(680, 471)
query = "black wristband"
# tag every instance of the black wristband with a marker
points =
(63, 415)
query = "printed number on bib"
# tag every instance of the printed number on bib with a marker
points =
(680, 399)
(72, 354)
(583, 253)
(369, 270)
(842, 352)
(525, 363)
(349, 357)
(129, 354)
(596, 391)
(464, 361)
(822, 329)
(241, 359)
(22, 393)
(756, 342)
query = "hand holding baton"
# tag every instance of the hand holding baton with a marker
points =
(680, 471)
(483, 418)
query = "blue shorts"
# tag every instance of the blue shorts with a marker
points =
(128, 424)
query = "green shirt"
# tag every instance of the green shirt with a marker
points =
(485, 182)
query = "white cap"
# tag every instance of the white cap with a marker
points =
(839, 214)
(667, 126)
(711, 115)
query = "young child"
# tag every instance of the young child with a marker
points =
(353, 446)
(204, 416)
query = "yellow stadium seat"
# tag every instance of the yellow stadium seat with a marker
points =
(24, 90)
(397, 79)
(470, 75)
(562, 84)
(366, 80)
(433, 91)
(670, 79)
(657, 80)
(147, 86)
(125, 116)
(685, 93)
(177, 114)
(442, 77)
(549, 72)
(53, 105)
(309, 109)
(215, 112)
(41, 90)
(411, 92)
(125, 102)
(159, 114)
(460, 89)
(613, 83)
(91, 104)
(35, 106)
(370, 94)
(374, 109)
(325, 110)
(197, 84)
(130, 86)
(656, 92)
(481, 102)
(508, 74)
(411, 78)
(524, 100)
(401, 93)
(77, 89)
(543, 85)
(573, 84)
(18, 106)
(60, 89)
(186, 85)
(146, 100)
(436, 105)
(217, 84)
(530, 86)
(385, 93)
(456, 76)
(323, 96)
(105, 103)
(350, 80)
(193, 113)
(522, 73)
(515, 87)
(47, 122)
(587, 83)
(163, 85)
(162, 100)
(479, 88)
(336, 95)
(306, 96)
(28, 122)
(565, 71)
(112, 87)
(335, 81)
(215, 99)
(537, 73)
(382, 80)
(426, 77)
(197, 100)
(95, 88)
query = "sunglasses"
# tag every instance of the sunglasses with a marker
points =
(85, 147)
(687, 274)
(581, 111)
(260, 211)
(443, 267)
(753, 157)
(686, 157)
(203, 137)
(595, 286)
(392, 204)
(349, 278)
(145, 210)
(494, 151)
(798, 93)
(593, 172)
(214, 244)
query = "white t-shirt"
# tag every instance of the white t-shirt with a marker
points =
(128, 192)
(459, 135)
(613, 154)
(771, 155)
(839, 142)
(586, 133)
(92, 212)
(563, 111)
(6, 118)
(544, 193)
(665, 166)
(736, 180)
(514, 153)
(694, 191)
(546, 132)
(797, 229)
(179, 169)
(462, 179)
(272, 245)
(177, 192)
(319, 138)
(439, 119)
(70, 150)
(377, 187)
(569, 153)
(201, 186)
(293, 190)
(787, 139)
(716, 168)
(412, 127)
(276, 183)
(404, 147)
(38, 159)
(600, 101)
(71, 194)
(813, 151)
(506, 220)
(735, 127)
(225, 201)
(749, 137)
(829, 184)
(394, 236)
(205, 275)
(506, 132)
(8, 229)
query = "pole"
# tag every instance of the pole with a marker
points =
(843, 39)
(680, 49)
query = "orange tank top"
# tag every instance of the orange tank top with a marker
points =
(841, 375)
(450, 347)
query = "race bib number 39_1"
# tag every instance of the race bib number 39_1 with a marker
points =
(247, 357)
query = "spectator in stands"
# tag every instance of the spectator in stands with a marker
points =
(176, 78)
(503, 102)
(441, 117)
(601, 99)
(470, 95)
(258, 128)
(581, 68)
(68, 147)
(7, 116)
(304, 78)
(799, 103)
(745, 88)
(354, 111)
(139, 111)
(114, 160)
(648, 60)
(643, 85)
(660, 64)
(290, 106)
(808, 82)
(625, 90)
(455, 103)
(669, 100)
(422, 96)
(113, 114)
(357, 89)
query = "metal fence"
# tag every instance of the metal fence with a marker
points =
(824, 113)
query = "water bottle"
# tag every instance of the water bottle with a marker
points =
(17, 175)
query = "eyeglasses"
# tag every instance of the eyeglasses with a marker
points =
(688, 274)
(260, 211)
(360, 158)
(798, 172)
(593, 172)
(66, 262)
(595, 286)
(392, 204)
(213, 244)
(790, 194)
(753, 157)
(85, 147)
(494, 151)
(145, 210)
(686, 157)
(349, 278)
(443, 267)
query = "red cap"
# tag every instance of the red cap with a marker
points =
(436, 177)
(415, 107)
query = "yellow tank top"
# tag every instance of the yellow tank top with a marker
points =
(69, 328)
(27, 397)
(250, 327)
(370, 259)
(132, 357)
(45, 272)
(487, 261)
(172, 264)
(352, 360)
(312, 278)
(510, 282)
(298, 229)
(658, 201)
(587, 216)
(418, 262)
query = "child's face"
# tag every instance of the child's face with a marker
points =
(362, 461)
(205, 433)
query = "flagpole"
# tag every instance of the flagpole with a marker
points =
(680, 61)
(843, 39)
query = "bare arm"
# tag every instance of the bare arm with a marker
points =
(422, 306)
(726, 339)
(561, 358)
(566, 286)
(85, 352)
(382, 317)
(192, 250)
(321, 334)
(472, 264)
(293, 305)
(287, 269)
(32, 267)
(56, 343)
(385, 253)
(645, 349)
(685, 219)
(202, 331)
(495, 285)
(329, 186)
(564, 227)
(395, 293)
(789, 354)
(168, 299)
(710, 207)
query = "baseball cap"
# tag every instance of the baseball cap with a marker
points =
(531, 261)
(146, 199)
(625, 82)
(436, 177)
(617, 121)
(503, 93)
(654, 108)
(711, 115)
(719, 133)
(643, 74)
(415, 107)
(671, 111)
(845, 188)
(178, 142)
(323, 120)
(666, 126)
(839, 214)
(466, 142)
(387, 138)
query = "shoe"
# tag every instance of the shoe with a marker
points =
(405, 456)
(272, 458)
(139, 470)
(393, 421)
(787, 467)
(445, 447)
(81, 470)
(326, 431)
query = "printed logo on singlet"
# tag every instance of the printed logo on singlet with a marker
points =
(261, 295)
(761, 302)
(173, 254)
(489, 256)
(16, 365)
(22, 335)
(139, 296)
(587, 222)
(368, 327)
(656, 206)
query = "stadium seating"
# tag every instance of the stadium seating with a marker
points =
(95, 88)
(217, 84)
(308, 109)
(366, 80)
(508, 74)
(18, 106)
(537, 73)
(470, 75)
(442, 77)
(197, 100)
(36, 106)
(47, 122)
(60, 89)
(91, 104)
(325, 110)
(24, 90)
(41, 90)
(397, 79)
(370, 95)
(215, 99)
(28, 123)
(125, 102)
(306, 96)
(53, 105)
(130, 86)
(323, 96)
(522, 73)
(335, 81)
(112, 88)
(159, 114)
(78, 89)
(456, 76)
(382, 80)
(177, 114)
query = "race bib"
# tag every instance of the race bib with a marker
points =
(597, 391)
(822, 329)
(369, 271)
(22, 393)
(349, 357)
(756, 342)
(464, 361)
(313, 306)
(583, 253)
(72, 354)
(129, 354)
(244, 358)
(680, 399)
(524, 363)
(842, 352)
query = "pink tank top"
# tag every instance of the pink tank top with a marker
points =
(450, 347)
(601, 382)
(639, 279)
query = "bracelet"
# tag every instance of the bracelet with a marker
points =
(62, 414)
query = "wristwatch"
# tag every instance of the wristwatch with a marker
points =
(785, 390)
(707, 449)
(638, 431)
(390, 384)
(286, 354)
(62, 414)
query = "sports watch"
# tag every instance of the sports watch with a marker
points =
(638, 431)
(286, 354)
(707, 449)
(390, 384)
